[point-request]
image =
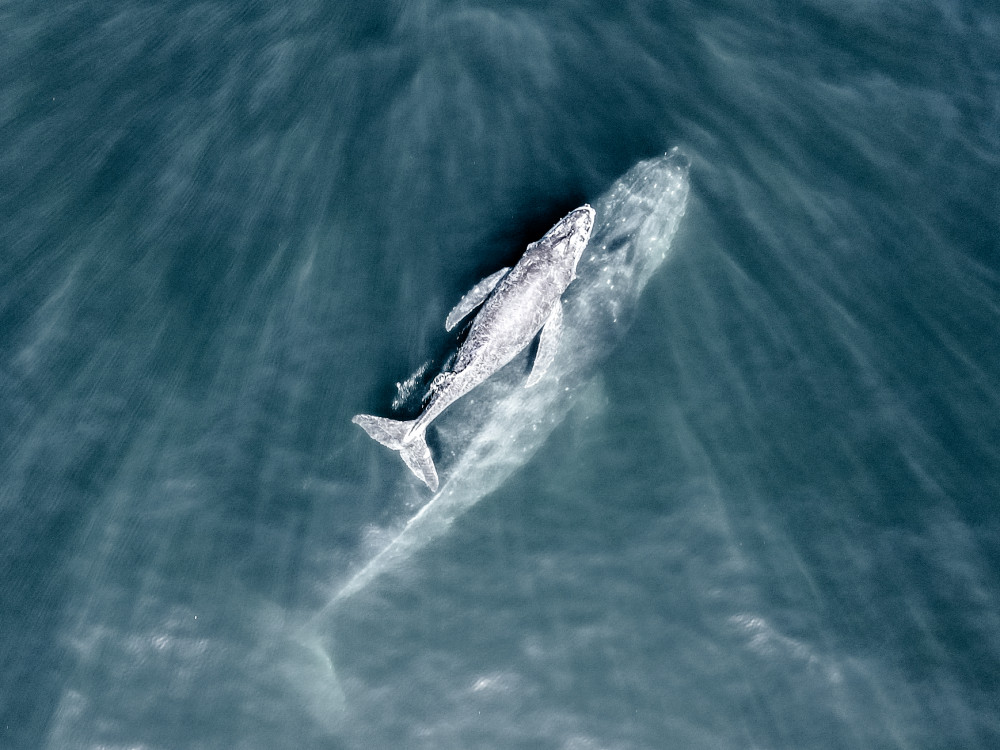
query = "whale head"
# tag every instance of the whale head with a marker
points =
(566, 241)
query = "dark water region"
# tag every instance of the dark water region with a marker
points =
(763, 515)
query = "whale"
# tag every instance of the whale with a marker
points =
(509, 309)
(493, 432)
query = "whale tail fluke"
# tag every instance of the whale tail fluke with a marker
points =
(412, 446)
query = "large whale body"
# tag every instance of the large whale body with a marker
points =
(498, 428)
(514, 305)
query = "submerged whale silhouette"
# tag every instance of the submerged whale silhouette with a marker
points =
(514, 304)
(497, 429)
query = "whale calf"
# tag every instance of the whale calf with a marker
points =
(511, 306)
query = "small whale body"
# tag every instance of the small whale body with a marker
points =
(511, 307)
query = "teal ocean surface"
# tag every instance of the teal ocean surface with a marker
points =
(753, 504)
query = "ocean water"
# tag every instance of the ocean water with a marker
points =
(754, 503)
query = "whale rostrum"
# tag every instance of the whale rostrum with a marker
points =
(513, 305)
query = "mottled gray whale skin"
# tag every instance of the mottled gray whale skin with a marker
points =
(514, 305)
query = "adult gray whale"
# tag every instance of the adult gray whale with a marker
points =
(493, 432)
(514, 305)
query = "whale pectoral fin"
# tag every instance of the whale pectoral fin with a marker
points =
(473, 298)
(548, 344)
